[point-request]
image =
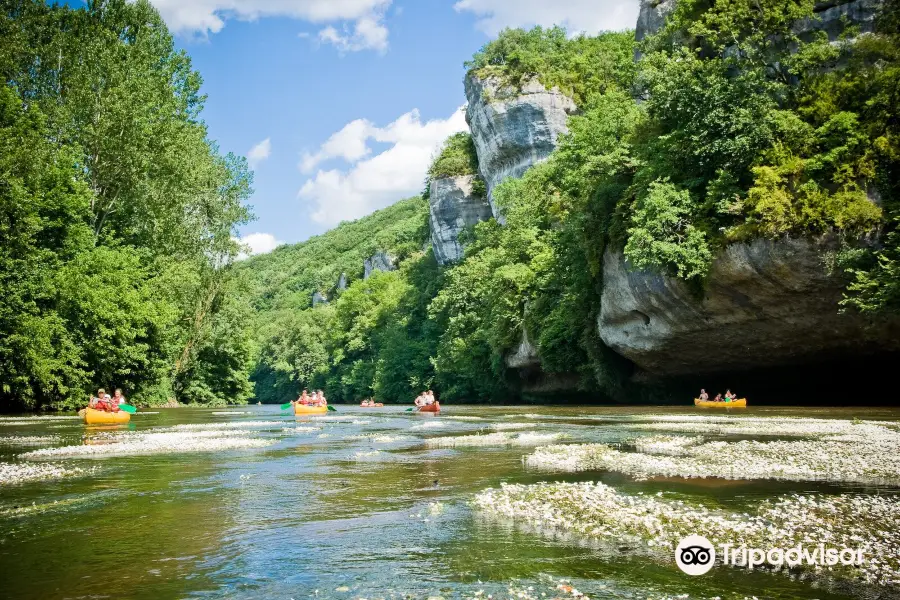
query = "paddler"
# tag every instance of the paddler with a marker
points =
(729, 396)
(101, 401)
(703, 395)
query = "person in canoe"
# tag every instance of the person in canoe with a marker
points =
(429, 398)
(718, 398)
(729, 396)
(322, 400)
(118, 399)
(101, 401)
(703, 395)
(420, 401)
(303, 399)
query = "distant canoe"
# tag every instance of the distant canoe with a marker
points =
(101, 417)
(739, 403)
(430, 408)
(303, 409)
(376, 405)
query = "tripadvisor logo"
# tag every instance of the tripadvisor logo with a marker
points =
(695, 555)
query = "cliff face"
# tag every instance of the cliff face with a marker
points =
(512, 129)
(765, 303)
(453, 207)
(380, 261)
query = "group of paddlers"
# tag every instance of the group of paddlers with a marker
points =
(102, 401)
(425, 399)
(729, 396)
(317, 398)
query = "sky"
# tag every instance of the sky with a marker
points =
(340, 105)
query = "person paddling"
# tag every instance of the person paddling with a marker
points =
(101, 401)
(729, 396)
(703, 395)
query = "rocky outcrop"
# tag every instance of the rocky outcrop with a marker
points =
(341, 283)
(380, 261)
(452, 207)
(831, 16)
(319, 298)
(765, 303)
(651, 18)
(513, 129)
(525, 355)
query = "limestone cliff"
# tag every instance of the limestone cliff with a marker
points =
(765, 303)
(452, 207)
(380, 261)
(513, 129)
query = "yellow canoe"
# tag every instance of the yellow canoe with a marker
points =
(302, 409)
(739, 403)
(93, 416)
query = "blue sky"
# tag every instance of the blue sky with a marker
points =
(340, 104)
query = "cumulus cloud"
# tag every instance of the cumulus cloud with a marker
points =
(370, 182)
(360, 20)
(589, 16)
(367, 33)
(259, 153)
(257, 243)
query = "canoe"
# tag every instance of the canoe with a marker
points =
(739, 403)
(430, 408)
(302, 409)
(92, 416)
(376, 405)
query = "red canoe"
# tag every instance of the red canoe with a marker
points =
(433, 408)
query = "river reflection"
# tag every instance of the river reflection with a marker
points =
(353, 505)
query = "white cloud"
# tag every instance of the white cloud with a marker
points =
(349, 143)
(202, 17)
(368, 33)
(259, 153)
(257, 243)
(365, 185)
(589, 16)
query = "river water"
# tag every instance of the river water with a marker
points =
(356, 505)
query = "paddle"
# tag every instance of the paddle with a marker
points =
(128, 408)
(410, 409)
(286, 406)
(330, 407)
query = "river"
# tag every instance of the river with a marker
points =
(359, 504)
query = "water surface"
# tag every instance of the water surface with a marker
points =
(359, 507)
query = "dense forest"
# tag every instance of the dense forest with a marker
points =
(117, 215)
(730, 126)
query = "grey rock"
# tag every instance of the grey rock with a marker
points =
(832, 17)
(319, 298)
(513, 129)
(380, 261)
(525, 355)
(765, 303)
(341, 283)
(651, 18)
(452, 207)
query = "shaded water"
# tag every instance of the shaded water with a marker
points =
(360, 507)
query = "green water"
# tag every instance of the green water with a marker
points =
(315, 515)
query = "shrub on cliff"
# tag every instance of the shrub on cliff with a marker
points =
(581, 66)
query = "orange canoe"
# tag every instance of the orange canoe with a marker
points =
(93, 416)
(430, 408)
(304, 409)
